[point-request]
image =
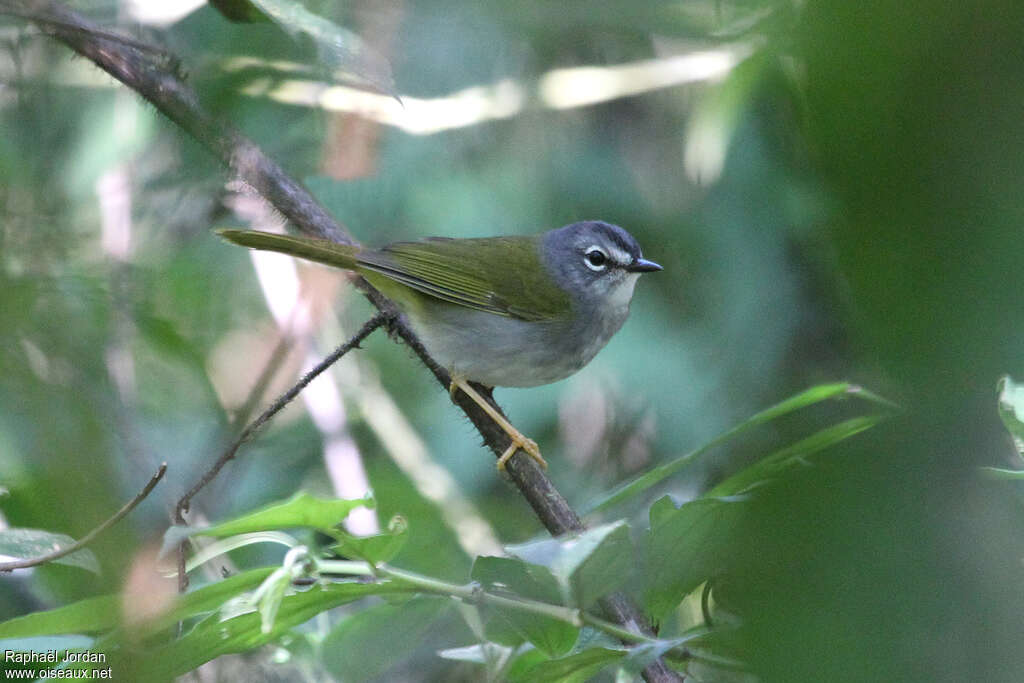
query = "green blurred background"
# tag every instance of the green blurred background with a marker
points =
(845, 203)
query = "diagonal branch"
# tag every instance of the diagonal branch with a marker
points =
(168, 92)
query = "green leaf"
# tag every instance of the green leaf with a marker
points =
(588, 566)
(210, 597)
(576, 668)
(687, 548)
(301, 510)
(806, 398)
(213, 636)
(518, 670)
(377, 548)
(371, 641)
(596, 563)
(28, 544)
(795, 454)
(1011, 410)
(103, 613)
(91, 615)
(661, 508)
(512, 577)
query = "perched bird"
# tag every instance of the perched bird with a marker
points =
(500, 311)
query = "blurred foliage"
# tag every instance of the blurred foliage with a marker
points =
(843, 205)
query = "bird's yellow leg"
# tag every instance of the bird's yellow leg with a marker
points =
(519, 440)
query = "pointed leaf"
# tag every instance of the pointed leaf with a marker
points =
(824, 392)
(661, 509)
(771, 466)
(301, 510)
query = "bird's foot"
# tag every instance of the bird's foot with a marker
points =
(528, 446)
(519, 441)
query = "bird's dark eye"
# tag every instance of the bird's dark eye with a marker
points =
(596, 259)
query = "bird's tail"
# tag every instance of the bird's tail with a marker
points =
(309, 248)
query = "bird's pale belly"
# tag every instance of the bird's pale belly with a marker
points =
(500, 351)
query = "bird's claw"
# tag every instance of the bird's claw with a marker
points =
(527, 445)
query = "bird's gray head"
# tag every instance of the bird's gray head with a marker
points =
(597, 262)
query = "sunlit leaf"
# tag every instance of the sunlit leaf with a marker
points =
(301, 510)
(475, 653)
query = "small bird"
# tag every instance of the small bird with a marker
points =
(500, 311)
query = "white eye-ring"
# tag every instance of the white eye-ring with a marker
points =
(595, 258)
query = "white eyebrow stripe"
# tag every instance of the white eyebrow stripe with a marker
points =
(619, 256)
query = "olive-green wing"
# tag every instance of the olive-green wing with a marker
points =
(500, 275)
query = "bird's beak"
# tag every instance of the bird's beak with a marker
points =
(642, 265)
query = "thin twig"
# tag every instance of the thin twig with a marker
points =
(88, 538)
(250, 430)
